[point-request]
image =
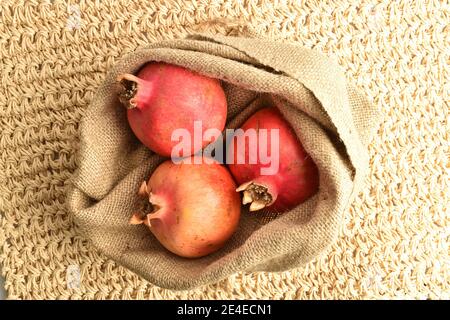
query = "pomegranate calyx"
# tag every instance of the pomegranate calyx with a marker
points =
(132, 90)
(136, 218)
(152, 206)
(257, 195)
(155, 215)
(143, 190)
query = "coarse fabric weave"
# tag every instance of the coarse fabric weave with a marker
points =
(394, 239)
(334, 123)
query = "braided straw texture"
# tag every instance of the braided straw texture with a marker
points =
(395, 240)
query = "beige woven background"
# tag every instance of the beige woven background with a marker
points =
(396, 235)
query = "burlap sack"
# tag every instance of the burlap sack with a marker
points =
(332, 119)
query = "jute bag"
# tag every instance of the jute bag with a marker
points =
(332, 119)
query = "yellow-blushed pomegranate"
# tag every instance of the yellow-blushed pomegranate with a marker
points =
(194, 206)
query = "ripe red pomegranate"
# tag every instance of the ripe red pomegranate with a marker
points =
(297, 177)
(163, 97)
(195, 207)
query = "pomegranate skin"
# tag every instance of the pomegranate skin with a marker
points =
(297, 178)
(164, 97)
(196, 207)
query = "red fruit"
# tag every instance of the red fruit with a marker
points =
(297, 177)
(164, 97)
(195, 207)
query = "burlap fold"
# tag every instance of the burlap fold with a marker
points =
(332, 119)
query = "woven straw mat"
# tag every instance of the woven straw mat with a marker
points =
(395, 239)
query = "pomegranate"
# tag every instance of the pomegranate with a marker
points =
(163, 97)
(195, 207)
(297, 176)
